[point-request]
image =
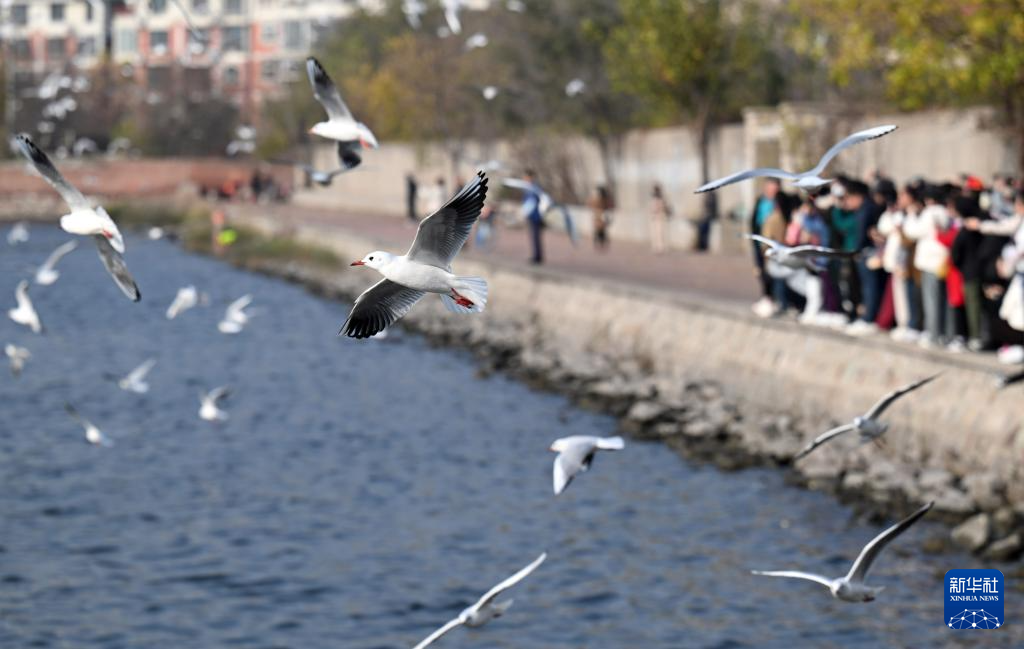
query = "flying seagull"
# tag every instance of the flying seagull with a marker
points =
(413, 9)
(135, 381)
(186, 298)
(235, 317)
(208, 409)
(340, 126)
(425, 268)
(47, 273)
(476, 41)
(17, 357)
(451, 15)
(576, 453)
(18, 233)
(797, 257)
(546, 203)
(490, 92)
(85, 219)
(93, 435)
(485, 609)
(25, 312)
(808, 180)
(575, 87)
(851, 588)
(867, 425)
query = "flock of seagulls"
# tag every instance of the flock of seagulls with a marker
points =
(427, 268)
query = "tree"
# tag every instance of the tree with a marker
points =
(700, 60)
(945, 52)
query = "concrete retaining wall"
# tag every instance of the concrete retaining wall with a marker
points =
(960, 424)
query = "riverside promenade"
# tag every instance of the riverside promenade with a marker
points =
(670, 345)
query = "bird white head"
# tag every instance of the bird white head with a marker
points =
(319, 129)
(557, 446)
(375, 260)
(366, 137)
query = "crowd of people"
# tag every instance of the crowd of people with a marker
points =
(939, 264)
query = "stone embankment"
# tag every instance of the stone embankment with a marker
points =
(720, 385)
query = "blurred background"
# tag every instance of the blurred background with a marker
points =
(622, 93)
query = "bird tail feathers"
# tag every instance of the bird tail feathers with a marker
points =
(473, 289)
(611, 444)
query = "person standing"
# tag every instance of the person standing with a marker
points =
(601, 205)
(534, 218)
(436, 199)
(932, 259)
(771, 201)
(661, 212)
(411, 188)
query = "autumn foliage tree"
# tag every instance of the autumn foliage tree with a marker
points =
(929, 52)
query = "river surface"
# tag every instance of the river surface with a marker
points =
(362, 493)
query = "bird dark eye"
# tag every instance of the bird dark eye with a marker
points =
(371, 258)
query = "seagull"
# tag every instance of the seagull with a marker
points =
(575, 87)
(476, 41)
(798, 257)
(25, 313)
(576, 453)
(47, 274)
(340, 125)
(93, 435)
(325, 178)
(451, 15)
(425, 268)
(186, 298)
(18, 233)
(413, 9)
(85, 219)
(485, 609)
(235, 317)
(866, 425)
(17, 356)
(208, 410)
(852, 588)
(544, 204)
(490, 92)
(135, 381)
(808, 180)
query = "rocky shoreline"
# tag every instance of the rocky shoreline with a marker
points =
(699, 421)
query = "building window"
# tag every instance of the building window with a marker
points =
(88, 12)
(157, 6)
(236, 39)
(22, 49)
(270, 32)
(57, 12)
(201, 6)
(158, 42)
(126, 41)
(87, 47)
(268, 70)
(231, 76)
(55, 49)
(19, 15)
(294, 35)
(234, 7)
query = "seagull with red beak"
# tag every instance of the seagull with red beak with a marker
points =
(340, 126)
(85, 219)
(425, 268)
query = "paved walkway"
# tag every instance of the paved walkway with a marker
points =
(723, 277)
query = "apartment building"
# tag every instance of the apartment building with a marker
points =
(43, 35)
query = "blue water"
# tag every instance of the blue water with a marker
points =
(363, 493)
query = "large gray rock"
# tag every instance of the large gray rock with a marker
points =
(954, 501)
(1004, 521)
(1006, 549)
(934, 479)
(973, 534)
(986, 490)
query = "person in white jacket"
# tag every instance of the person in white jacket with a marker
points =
(1012, 308)
(896, 260)
(932, 259)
